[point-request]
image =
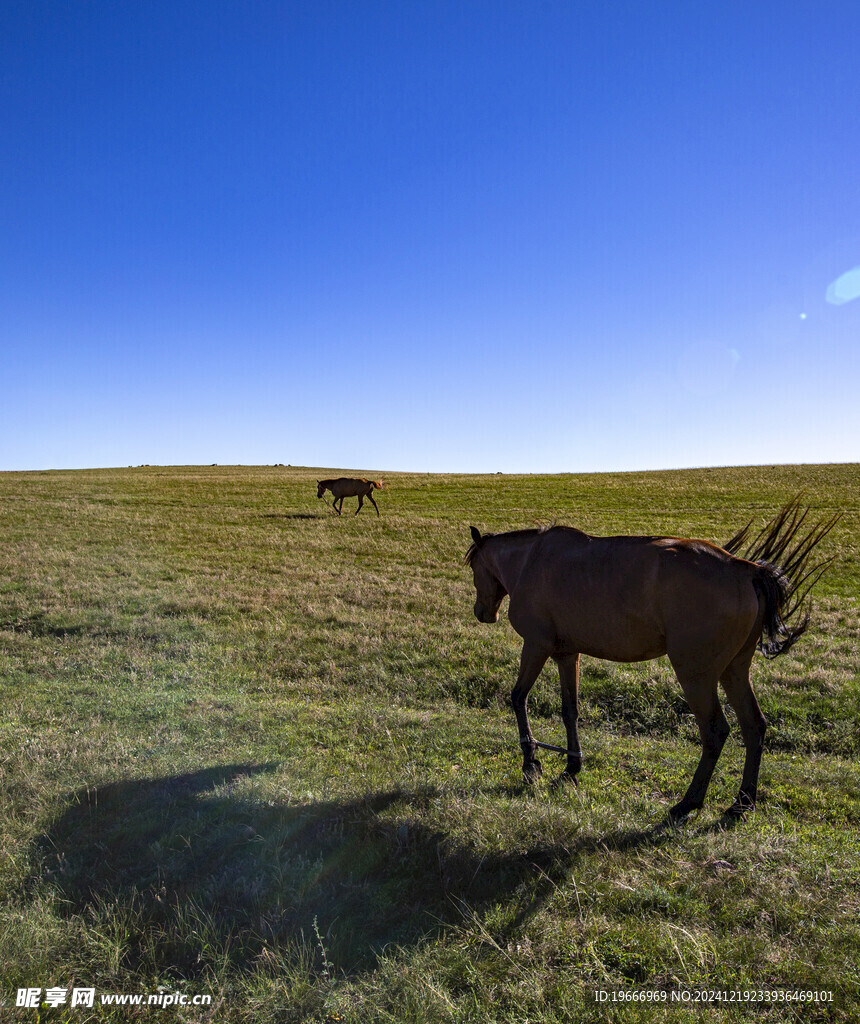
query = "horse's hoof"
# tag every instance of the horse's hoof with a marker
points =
(532, 771)
(679, 813)
(564, 780)
(738, 811)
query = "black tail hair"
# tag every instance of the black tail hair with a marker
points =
(785, 576)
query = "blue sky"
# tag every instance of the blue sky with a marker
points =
(431, 236)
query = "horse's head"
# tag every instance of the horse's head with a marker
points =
(487, 585)
(320, 488)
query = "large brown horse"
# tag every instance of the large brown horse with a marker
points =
(346, 487)
(637, 598)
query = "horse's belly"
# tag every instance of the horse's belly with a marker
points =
(619, 651)
(572, 629)
(615, 637)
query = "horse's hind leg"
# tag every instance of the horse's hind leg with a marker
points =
(568, 672)
(700, 690)
(753, 724)
(532, 660)
(372, 502)
(360, 503)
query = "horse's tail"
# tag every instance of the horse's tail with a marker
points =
(774, 589)
(784, 577)
(377, 484)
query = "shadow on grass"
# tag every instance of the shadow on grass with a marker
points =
(195, 863)
(39, 625)
(293, 515)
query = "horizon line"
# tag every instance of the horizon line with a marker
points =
(423, 472)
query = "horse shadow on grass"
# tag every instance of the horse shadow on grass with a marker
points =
(39, 625)
(205, 870)
(293, 515)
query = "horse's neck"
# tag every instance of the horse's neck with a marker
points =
(509, 556)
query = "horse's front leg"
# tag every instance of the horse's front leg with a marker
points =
(568, 672)
(532, 660)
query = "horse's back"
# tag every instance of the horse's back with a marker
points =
(564, 558)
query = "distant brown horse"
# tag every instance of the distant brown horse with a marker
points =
(637, 598)
(345, 487)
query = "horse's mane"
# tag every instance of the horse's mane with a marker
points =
(471, 551)
(476, 546)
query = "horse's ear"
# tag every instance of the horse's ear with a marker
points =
(476, 534)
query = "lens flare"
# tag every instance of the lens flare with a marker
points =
(844, 288)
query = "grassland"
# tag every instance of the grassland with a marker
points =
(254, 750)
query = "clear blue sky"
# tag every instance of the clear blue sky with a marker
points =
(428, 235)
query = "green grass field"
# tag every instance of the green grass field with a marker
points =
(253, 750)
